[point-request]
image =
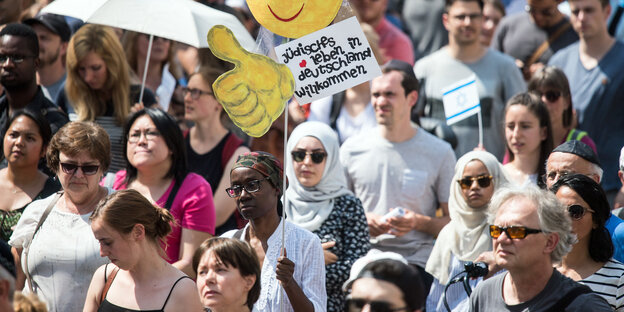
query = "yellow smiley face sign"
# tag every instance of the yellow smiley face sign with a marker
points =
(294, 18)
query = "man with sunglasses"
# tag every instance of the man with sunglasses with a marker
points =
(577, 157)
(532, 37)
(19, 60)
(398, 164)
(530, 233)
(594, 68)
(497, 78)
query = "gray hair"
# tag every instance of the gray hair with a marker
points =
(553, 217)
(597, 171)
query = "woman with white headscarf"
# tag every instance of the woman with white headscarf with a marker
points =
(478, 175)
(319, 201)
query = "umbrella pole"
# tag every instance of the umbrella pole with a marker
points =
(149, 52)
(281, 301)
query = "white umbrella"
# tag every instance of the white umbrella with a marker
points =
(184, 21)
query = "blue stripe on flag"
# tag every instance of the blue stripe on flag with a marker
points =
(466, 84)
(464, 111)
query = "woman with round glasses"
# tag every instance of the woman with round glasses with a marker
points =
(590, 261)
(298, 271)
(478, 175)
(529, 138)
(156, 167)
(211, 148)
(25, 141)
(59, 253)
(319, 201)
(553, 87)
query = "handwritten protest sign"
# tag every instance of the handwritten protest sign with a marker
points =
(328, 61)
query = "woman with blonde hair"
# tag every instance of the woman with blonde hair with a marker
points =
(131, 232)
(98, 85)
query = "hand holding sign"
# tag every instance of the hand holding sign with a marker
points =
(255, 92)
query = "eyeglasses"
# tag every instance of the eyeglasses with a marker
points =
(357, 304)
(16, 59)
(514, 232)
(317, 157)
(554, 176)
(548, 12)
(552, 96)
(86, 169)
(483, 181)
(249, 186)
(150, 135)
(472, 17)
(195, 93)
(577, 211)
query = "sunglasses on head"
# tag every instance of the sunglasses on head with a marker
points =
(317, 157)
(483, 181)
(514, 232)
(86, 169)
(357, 304)
(577, 211)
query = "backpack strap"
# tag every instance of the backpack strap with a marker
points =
(569, 297)
(172, 195)
(546, 44)
(337, 100)
(231, 144)
(576, 135)
(109, 282)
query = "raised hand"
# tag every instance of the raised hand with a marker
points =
(255, 92)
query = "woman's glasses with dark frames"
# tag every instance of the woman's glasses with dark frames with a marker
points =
(195, 93)
(514, 232)
(251, 186)
(357, 304)
(577, 211)
(317, 157)
(86, 169)
(483, 181)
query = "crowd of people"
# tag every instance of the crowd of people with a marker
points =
(119, 198)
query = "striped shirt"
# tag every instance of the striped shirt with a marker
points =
(608, 282)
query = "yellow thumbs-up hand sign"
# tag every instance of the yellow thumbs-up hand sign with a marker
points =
(255, 92)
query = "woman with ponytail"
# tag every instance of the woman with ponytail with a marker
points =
(131, 232)
(590, 261)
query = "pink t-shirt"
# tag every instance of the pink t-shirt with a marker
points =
(193, 208)
(395, 44)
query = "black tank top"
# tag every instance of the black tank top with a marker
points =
(106, 306)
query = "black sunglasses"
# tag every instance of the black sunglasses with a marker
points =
(357, 304)
(251, 186)
(577, 211)
(483, 181)
(317, 157)
(514, 232)
(86, 169)
(552, 96)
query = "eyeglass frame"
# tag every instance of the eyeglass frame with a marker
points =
(81, 167)
(585, 210)
(556, 173)
(150, 135)
(312, 156)
(370, 303)
(15, 59)
(243, 186)
(527, 231)
(473, 179)
(195, 93)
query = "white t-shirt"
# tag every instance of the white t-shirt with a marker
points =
(63, 255)
(415, 174)
(346, 125)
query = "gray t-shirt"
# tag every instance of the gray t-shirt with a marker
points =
(488, 297)
(423, 19)
(415, 174)
(519, 37)
(498, 79)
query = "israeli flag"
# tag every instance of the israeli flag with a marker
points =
(461, 100)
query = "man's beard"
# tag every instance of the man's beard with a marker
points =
(51, 59)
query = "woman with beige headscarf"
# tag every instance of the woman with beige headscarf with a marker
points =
(478, 175)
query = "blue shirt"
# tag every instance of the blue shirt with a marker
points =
(615, 226)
